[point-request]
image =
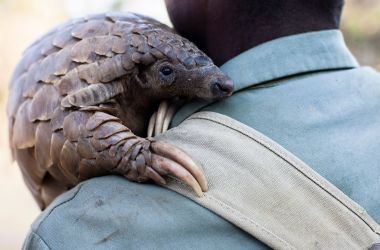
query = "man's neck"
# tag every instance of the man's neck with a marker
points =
(223, 29)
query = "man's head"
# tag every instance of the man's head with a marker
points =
(225, 28)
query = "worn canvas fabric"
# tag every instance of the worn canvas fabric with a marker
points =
(265, 190)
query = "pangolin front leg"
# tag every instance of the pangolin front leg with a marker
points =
(98, 143)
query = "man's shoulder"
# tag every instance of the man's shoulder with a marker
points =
(103, 208)
(108, 200)
(111, 212)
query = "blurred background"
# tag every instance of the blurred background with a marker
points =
(22, 21)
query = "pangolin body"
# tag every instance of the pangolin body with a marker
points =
(81, 89)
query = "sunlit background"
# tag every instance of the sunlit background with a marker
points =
(22, 21)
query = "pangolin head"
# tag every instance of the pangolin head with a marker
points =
(180, 68)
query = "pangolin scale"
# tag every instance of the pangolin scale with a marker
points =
(80, 91)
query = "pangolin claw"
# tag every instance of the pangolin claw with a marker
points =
(192, 174)
(152, 160)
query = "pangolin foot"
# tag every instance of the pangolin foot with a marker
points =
(152, 160)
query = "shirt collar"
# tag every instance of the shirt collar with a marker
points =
(283, 57)
(291, 55)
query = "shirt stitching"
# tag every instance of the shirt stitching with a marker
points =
(58, 205)
(40, 239)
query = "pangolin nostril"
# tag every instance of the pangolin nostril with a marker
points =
(226, 87)
(217, 85)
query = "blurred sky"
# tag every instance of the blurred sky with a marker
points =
(22, 21)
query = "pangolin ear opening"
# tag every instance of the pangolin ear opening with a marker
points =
(141, 77)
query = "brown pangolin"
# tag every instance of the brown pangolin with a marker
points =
(80, 91)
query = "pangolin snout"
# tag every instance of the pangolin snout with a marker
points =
(212, 84)
(222, 87)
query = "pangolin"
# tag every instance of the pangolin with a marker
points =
(80, 90)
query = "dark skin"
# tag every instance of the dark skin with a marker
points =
(224, 28)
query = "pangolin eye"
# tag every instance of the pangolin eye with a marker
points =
(166, 70)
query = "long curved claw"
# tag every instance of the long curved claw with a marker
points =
(151, 125)
(162, 109)
(152, 174)
(160, 120)
(182, 159)
(173, 168)
(168, 118)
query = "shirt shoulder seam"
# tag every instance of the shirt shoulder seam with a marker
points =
(35, 234)
(36, 228)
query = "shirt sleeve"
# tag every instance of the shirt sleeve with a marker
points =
(112, 213)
